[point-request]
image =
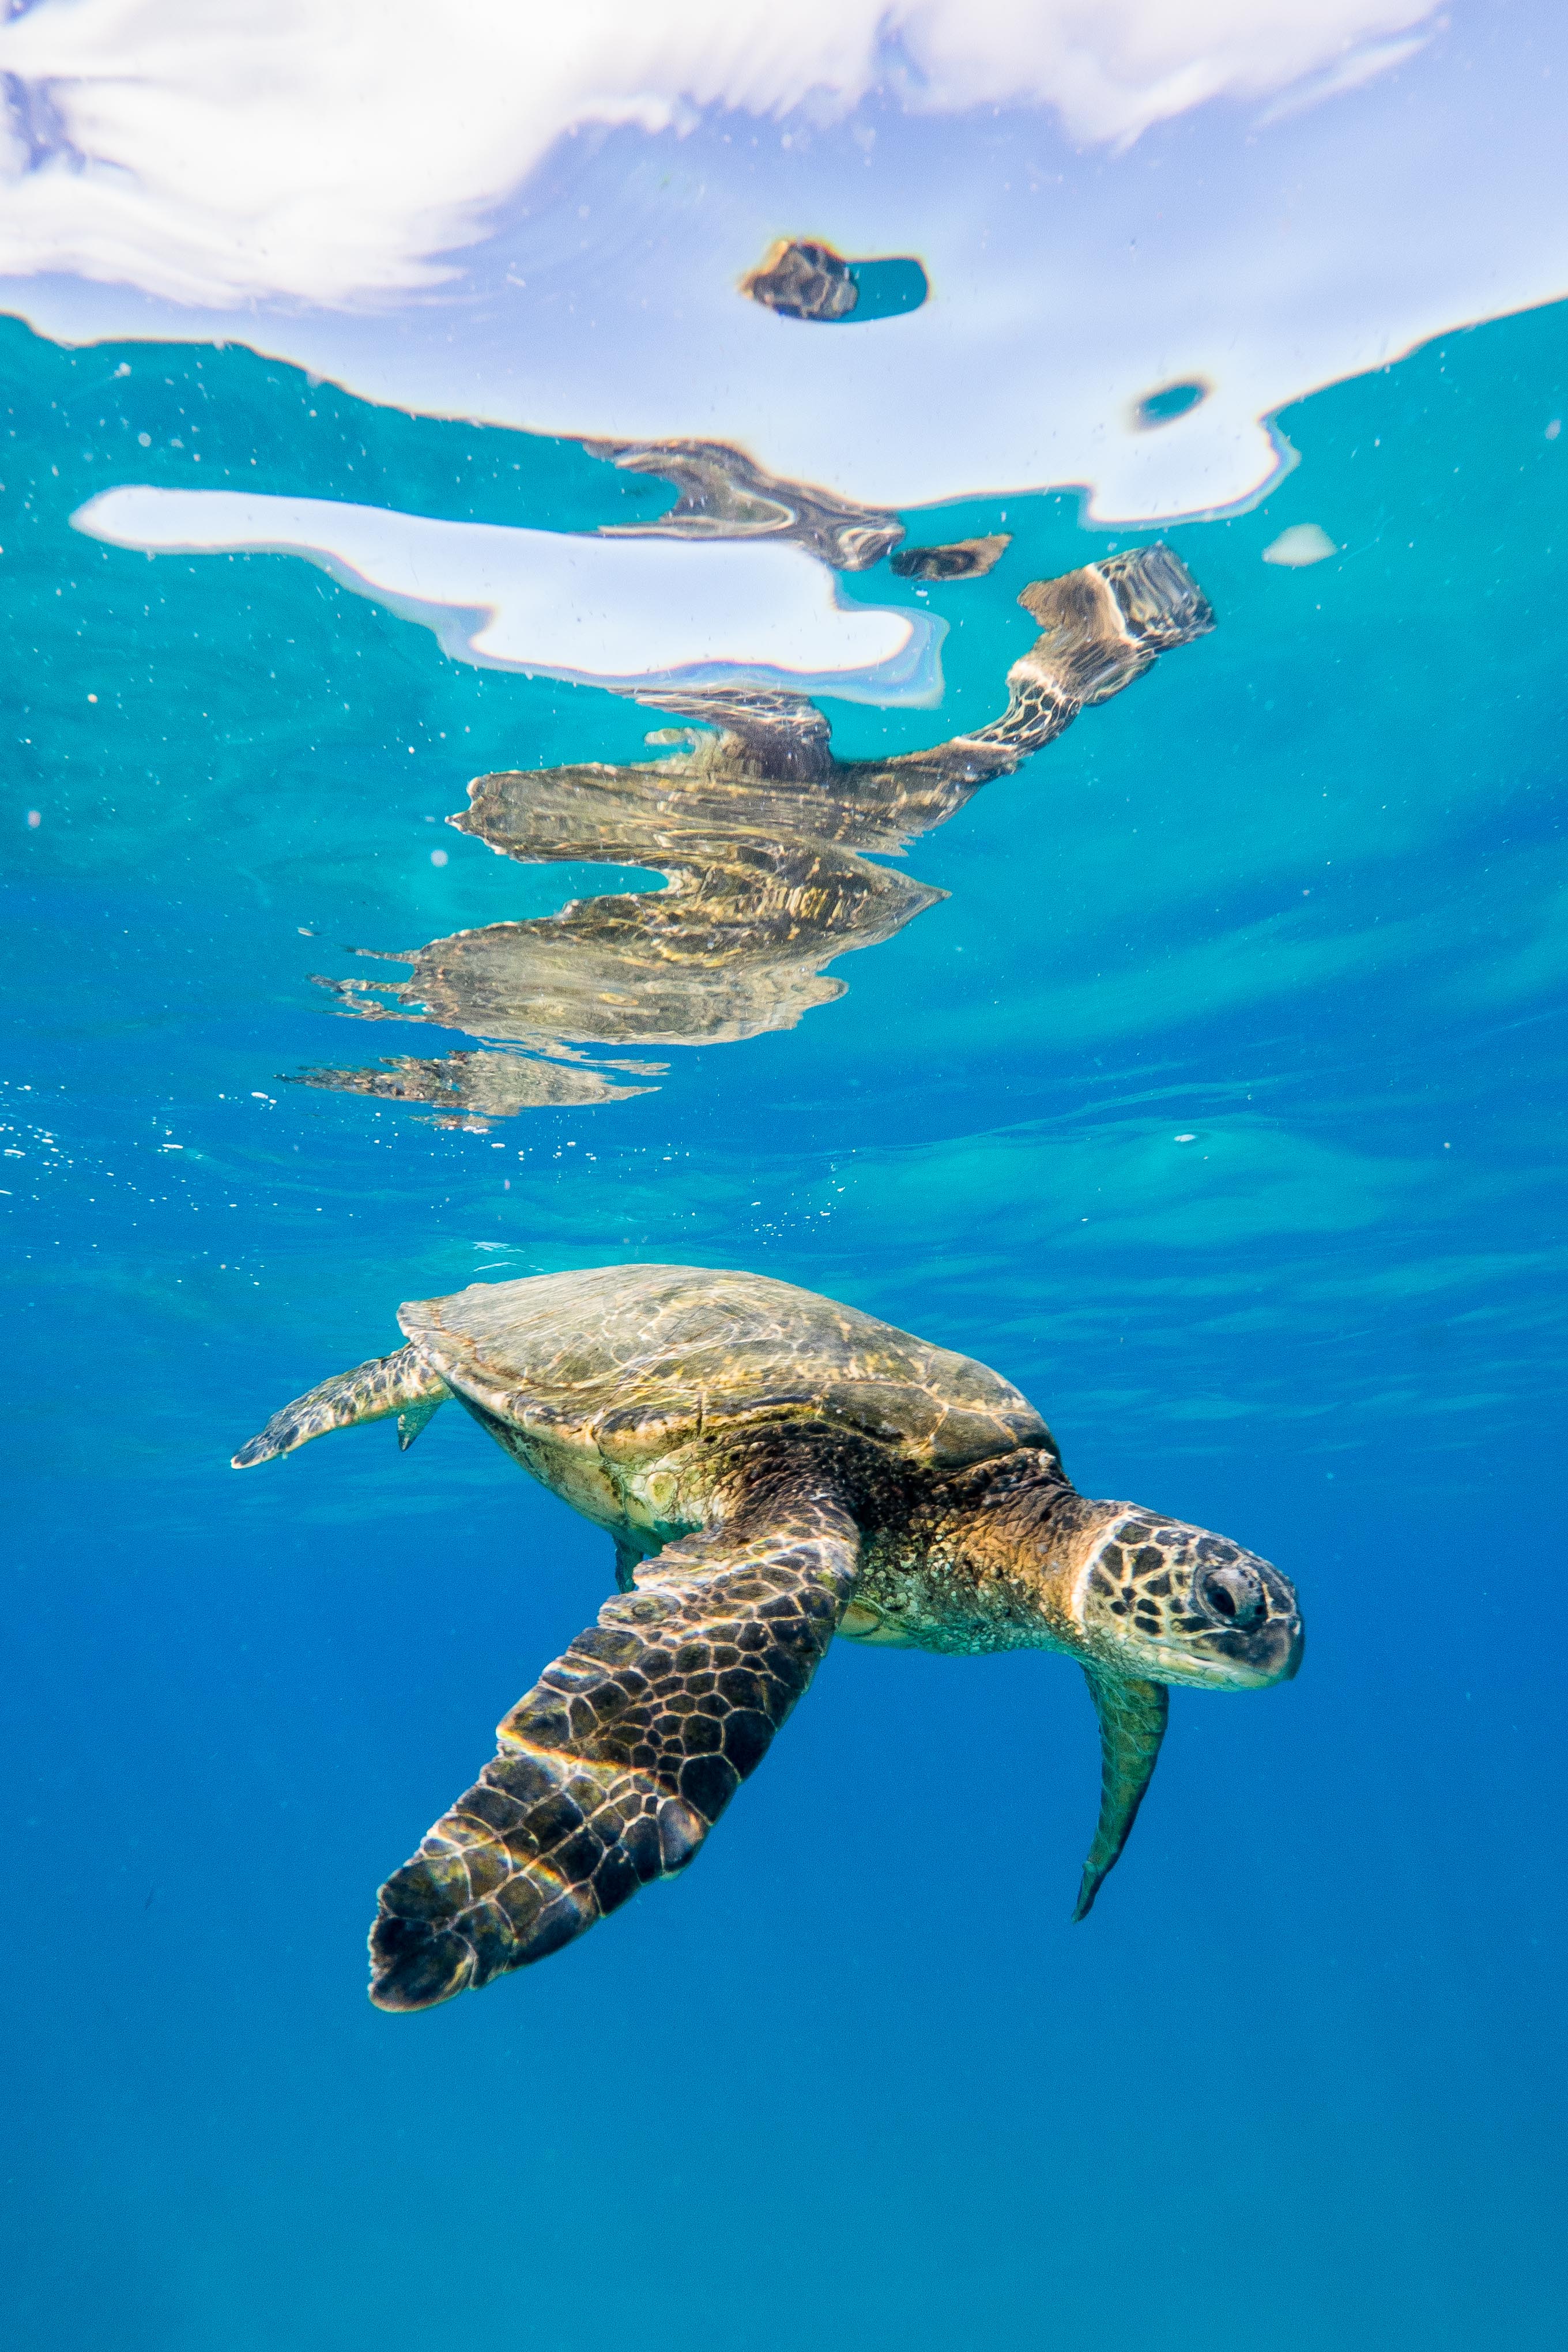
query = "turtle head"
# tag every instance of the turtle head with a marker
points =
(1153, 1598)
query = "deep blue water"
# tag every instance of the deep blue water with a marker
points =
(1299, 895)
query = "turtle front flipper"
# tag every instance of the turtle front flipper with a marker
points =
(1132, 1725)
(401, 1383)
(615, 1767)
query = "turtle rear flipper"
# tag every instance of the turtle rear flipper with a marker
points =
(401, 1383)
(615, 1767)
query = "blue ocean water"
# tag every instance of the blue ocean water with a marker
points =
(1218, 1104)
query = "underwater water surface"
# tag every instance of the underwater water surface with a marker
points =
(1201, 1068)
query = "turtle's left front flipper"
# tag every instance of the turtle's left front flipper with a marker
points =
(615, 1767)
(1132, 1715)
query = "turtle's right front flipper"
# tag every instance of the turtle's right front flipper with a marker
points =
(615, 1767)
(401, 1383)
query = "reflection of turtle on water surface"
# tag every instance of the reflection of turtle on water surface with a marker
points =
(765, 840)
(470, 1089)
(774, 1468)
(724, 494)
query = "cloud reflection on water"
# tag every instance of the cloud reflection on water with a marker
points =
(612, 608)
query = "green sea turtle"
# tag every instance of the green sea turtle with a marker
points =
(775, 1468)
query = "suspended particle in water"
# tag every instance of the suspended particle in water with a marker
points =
(437, 858)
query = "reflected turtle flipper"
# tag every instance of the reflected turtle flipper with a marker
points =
(773, 734)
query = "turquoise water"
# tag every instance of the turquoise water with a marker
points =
(1218, 1104)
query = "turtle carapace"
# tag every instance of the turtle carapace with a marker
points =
(775, 1468)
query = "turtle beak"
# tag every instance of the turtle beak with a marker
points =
(1282, 1637)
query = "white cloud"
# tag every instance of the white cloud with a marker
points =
(326, 150)
(613, 612)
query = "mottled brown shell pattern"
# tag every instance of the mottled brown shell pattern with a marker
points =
(628, 1362)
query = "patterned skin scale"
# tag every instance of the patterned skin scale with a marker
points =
(774, 1468)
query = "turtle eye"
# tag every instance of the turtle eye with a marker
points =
(1235, 1593)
